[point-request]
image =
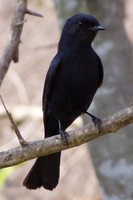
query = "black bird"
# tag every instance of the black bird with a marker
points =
(74, 76)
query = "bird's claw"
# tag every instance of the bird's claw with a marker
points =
(97, 122)
(64, 136)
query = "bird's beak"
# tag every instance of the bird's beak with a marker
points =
(98, 28)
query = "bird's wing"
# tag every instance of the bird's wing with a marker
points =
(101, 72)
(49, 83)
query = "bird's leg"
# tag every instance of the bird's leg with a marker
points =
(97, 122)
(64, 134)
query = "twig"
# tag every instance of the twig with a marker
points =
(15, 128)
(30, 12)
(54, 144)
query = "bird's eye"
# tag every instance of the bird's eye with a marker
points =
(80, 23)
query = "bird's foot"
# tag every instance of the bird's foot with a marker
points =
(64, 136)
(97, 121)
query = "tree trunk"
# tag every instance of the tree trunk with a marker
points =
(111, 155)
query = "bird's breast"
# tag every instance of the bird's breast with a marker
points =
(75, 85)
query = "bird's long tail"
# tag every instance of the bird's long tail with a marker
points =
(45, 172)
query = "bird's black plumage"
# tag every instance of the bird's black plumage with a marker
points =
(73, 77)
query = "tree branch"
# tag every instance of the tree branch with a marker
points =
(11, 51)
(20, 138)
(54, 144)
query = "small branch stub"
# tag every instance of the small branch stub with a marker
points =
(30, 12)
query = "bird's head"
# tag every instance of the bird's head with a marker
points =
(80, 28)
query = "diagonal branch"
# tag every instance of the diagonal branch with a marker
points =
(54, 144)
(11, 49)
(14, 127)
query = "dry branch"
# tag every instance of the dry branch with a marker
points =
(77, 137)
(11, 49)
(14, 127)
